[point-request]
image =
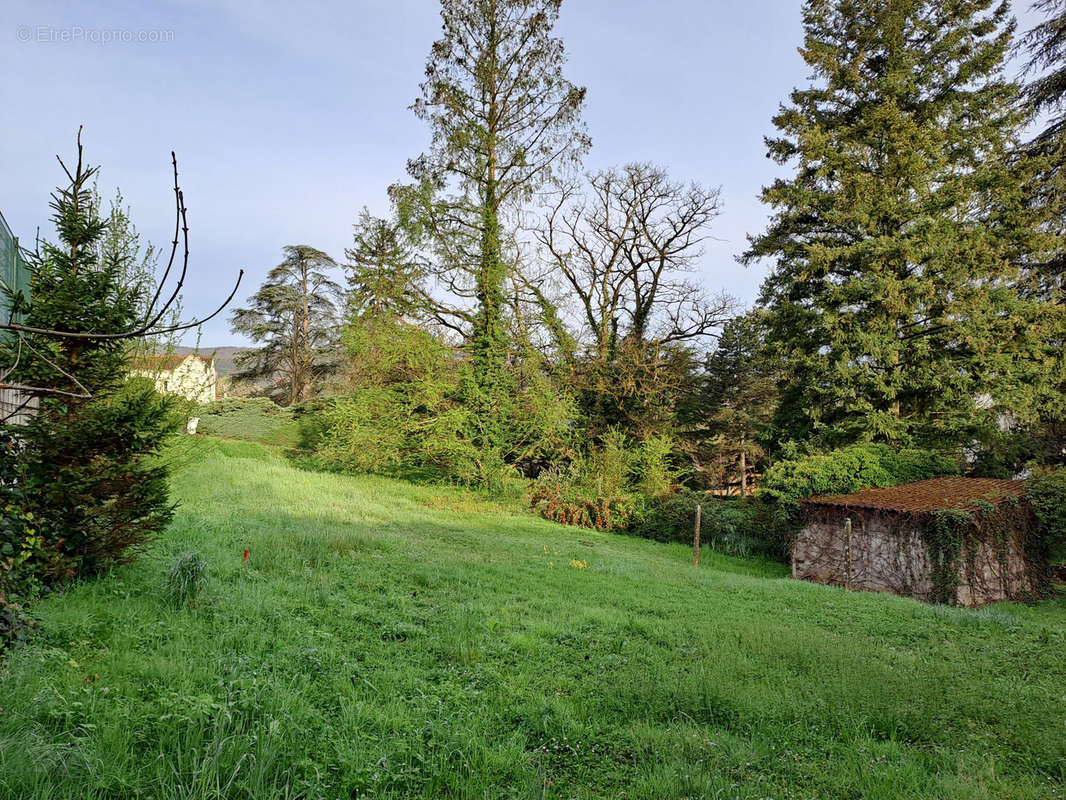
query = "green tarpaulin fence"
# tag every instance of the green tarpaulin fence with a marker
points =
(14, 276)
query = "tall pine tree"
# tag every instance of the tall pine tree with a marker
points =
(729, 413)
(504, 119)
(898, 292)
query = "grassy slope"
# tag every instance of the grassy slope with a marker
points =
(384, 640)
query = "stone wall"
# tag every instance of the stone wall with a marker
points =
(884, 552)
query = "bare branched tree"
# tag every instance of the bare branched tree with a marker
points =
(625, 247)
(622, 250)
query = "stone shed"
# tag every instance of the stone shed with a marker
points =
(953, 540)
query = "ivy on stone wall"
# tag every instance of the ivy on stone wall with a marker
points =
(947, 533)
(953, 538)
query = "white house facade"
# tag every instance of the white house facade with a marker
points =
(190, 376)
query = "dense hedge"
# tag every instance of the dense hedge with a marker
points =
(740, 526)
(849, 470)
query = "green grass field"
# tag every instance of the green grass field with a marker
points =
(386, 640)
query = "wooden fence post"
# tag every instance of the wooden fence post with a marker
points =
(847, 552)
(696, 537)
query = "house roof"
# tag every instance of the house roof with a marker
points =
(164, 362)
(923, 497)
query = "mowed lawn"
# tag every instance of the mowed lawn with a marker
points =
(386, 640)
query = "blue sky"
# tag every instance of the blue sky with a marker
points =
(287, 118)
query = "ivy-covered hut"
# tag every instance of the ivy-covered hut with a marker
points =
(964, 541)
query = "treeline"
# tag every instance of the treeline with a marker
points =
(510, 317)
(513, 319)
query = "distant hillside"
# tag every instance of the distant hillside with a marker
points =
(223, 356)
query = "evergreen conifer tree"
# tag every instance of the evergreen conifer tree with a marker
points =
(504, 119)
(83, 466)
(294, 317)
(383, 269)
(734, 404)
(899, 297)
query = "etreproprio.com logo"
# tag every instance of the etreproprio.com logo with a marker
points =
(49, 34)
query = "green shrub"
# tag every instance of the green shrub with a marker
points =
(610, 486)
(379, 431)
(910, 465)
(850, 469)
(556, 496)
(609, 466)
(21, 552)
(656, 475)
(669, 518)
(20, 535)
(360, 434)
(740, 526)
(1047, 495)
(93, 486)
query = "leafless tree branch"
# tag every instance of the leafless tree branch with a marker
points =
(148, 326)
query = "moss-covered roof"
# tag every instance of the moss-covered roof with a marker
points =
(926, 496)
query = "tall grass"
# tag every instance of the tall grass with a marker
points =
(391, 641)
(186, 579)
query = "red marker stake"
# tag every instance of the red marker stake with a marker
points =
(245, 555)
